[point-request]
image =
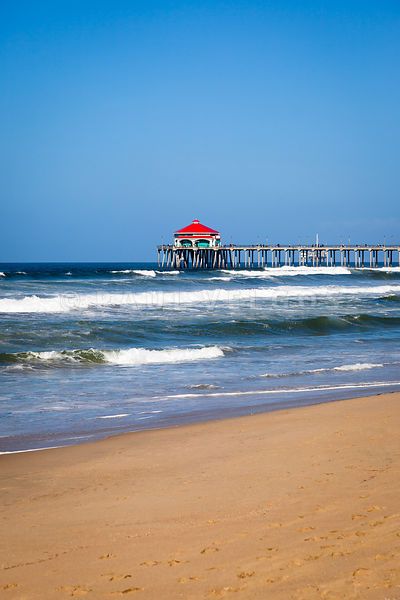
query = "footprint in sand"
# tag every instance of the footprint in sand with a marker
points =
(384, 556)
(9, 586)
(312, 557)
(360, 572)
(131, 590)
(113, 577)
(221, 592)
(374, 508)
(150, 563)
(376, 523)
(74, 590)
(209, 549)
(246, 574)
(278, 579)
(174, 562)
(340, 553)
(188, 579)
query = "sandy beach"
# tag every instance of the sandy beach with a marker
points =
(301, 504)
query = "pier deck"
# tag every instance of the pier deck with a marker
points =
(259, 256)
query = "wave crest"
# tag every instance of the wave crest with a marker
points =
(126, 356)
(66, 302)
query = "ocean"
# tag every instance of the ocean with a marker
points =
(90, 350)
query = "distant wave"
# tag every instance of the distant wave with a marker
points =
(66, 302)
(379, 269)
(351, 367)
(168, 272)
(203, 386)
(226, 278)
(390, 298)
(287, 271)
(127, 356)
(144, 272)
(318, 325)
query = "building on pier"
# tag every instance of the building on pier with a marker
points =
(197, 235)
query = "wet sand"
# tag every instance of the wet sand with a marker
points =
(301, 503)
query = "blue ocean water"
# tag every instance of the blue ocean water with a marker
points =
(87, 350)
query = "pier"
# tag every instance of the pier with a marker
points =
(197, 246)
(171, 256)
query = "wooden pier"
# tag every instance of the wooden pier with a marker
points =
(260, 256)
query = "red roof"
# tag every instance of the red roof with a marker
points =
(196, 227)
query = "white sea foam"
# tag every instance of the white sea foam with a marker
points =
(2, 274)
(324, 388)
(168, 272)
(33, 449)
(66, 302)
(287, 271)
(120, 416)
(141, 356)
(358, 367)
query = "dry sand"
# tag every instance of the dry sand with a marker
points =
(296, 504)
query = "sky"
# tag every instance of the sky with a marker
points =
(268, 120)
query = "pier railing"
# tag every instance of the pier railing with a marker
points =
(277, 255)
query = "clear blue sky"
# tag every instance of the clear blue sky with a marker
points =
(122, 121)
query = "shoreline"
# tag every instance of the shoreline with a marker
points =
(298, 504)
(202, 416)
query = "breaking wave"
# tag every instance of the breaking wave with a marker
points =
(287, 271)
(144, 272)
(2, 274)
(128, 356)
(65, 303)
